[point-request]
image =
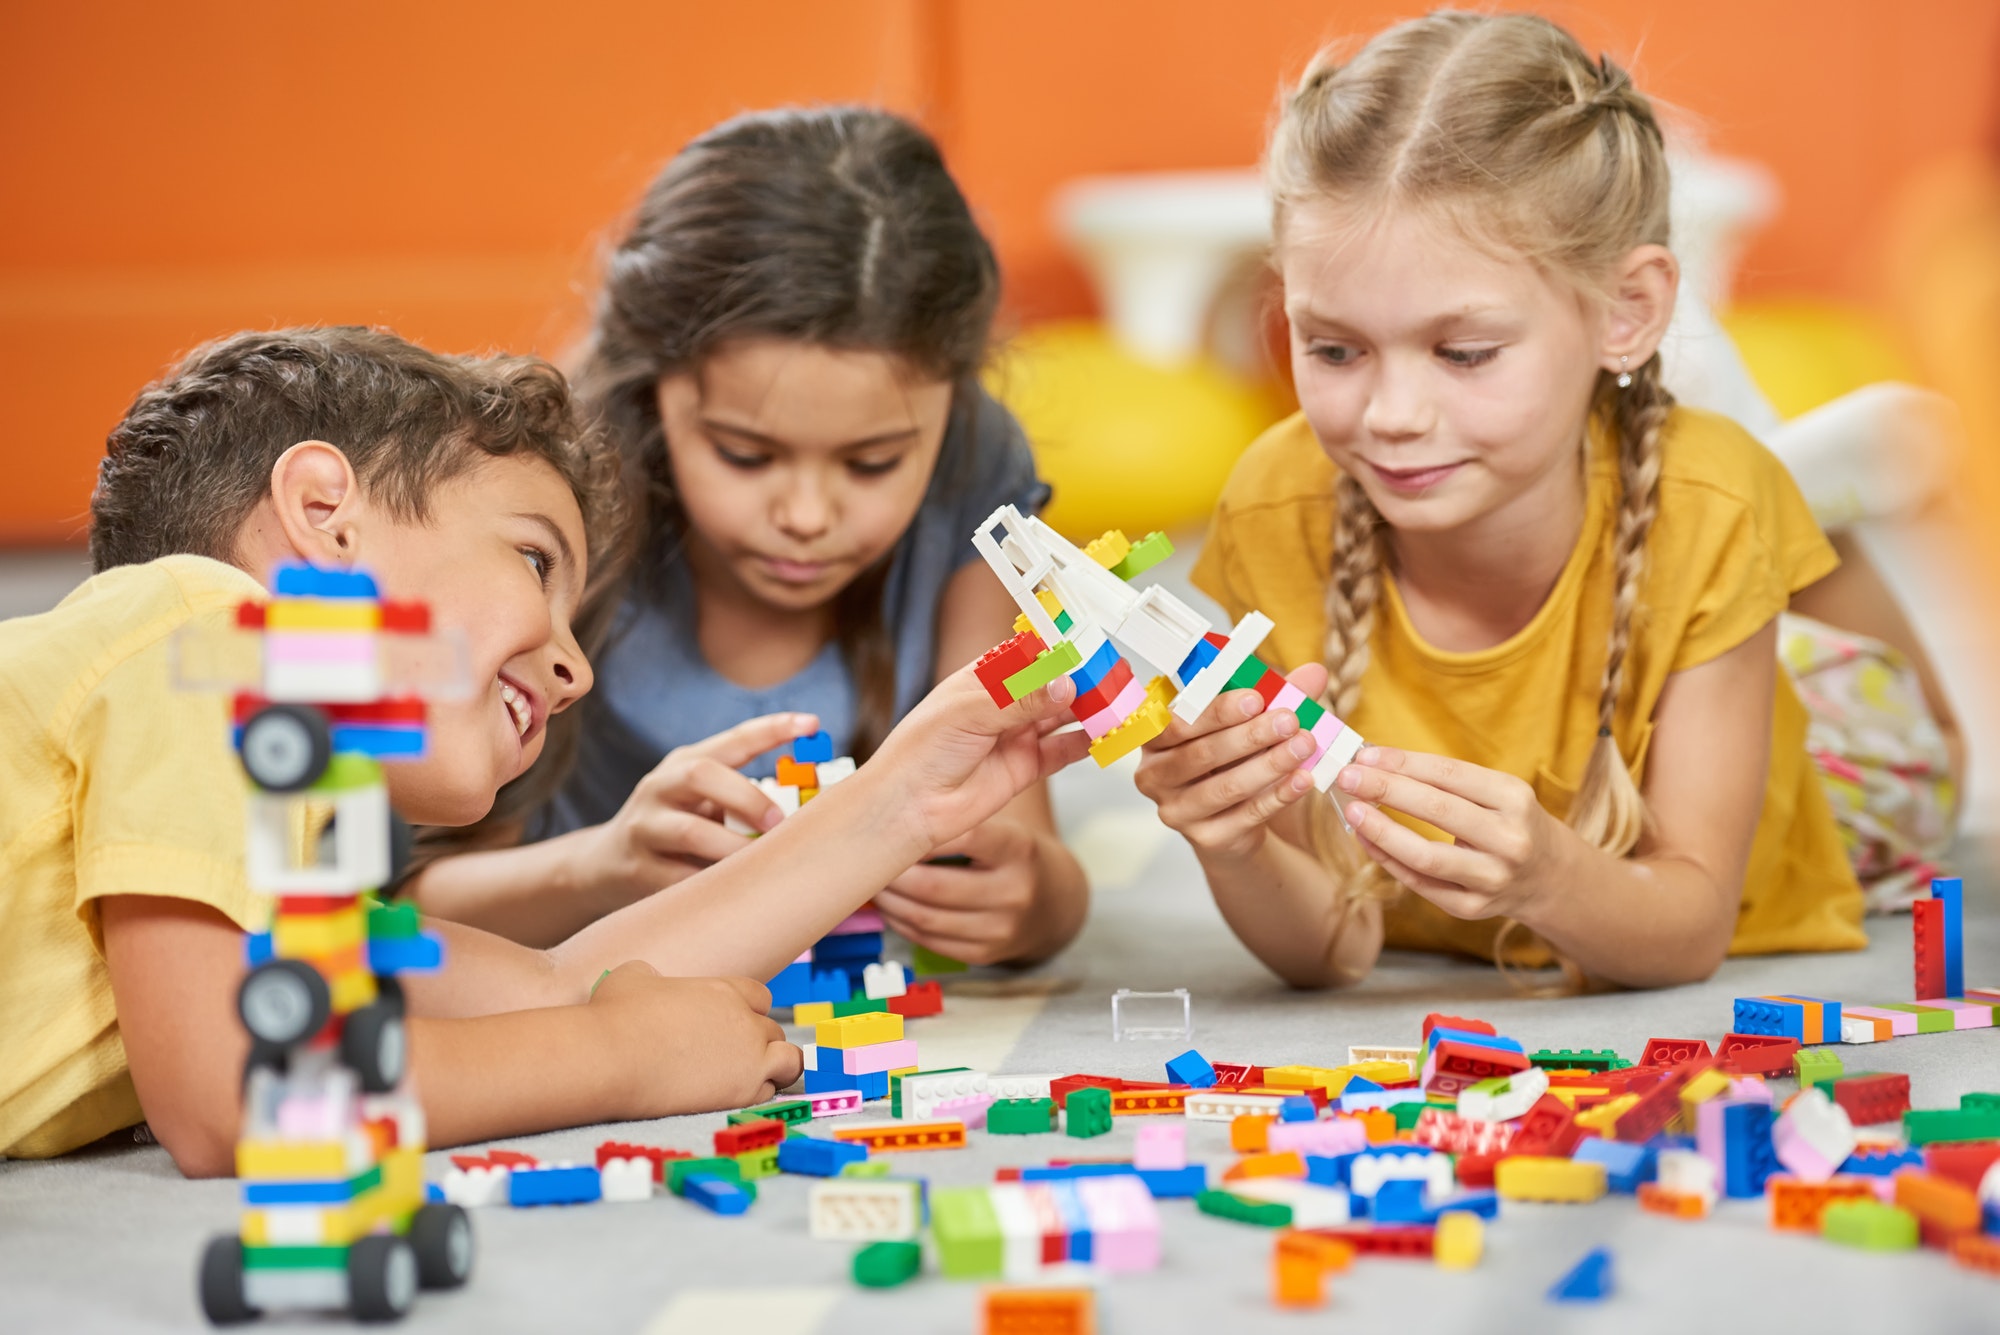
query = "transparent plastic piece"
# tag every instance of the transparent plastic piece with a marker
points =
(1152, 1015)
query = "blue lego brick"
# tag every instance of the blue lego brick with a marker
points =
(1297, 1108)
(872, 1087)
(381, 740)
(433, 1194)
(1076, 1221)
(1882, 1163)
(812, 1157)
(1500, 1041)
(575, 1185)
(718, 1195)
(334, 1192)
(814, 750)
(256, 948)
(1360, 1084)
(1829, 1015)
(1951, 890)
(1625, 1166)
(793, 985)
(1172, 1183)
(1400, 1201)
(296, 580)
(1989, 1221)
(1779, 1019)
(1096, 669)
(1354, 1100)
(853, 946)
(1071, 1171)
(1198, 658)
(1191, 1069)
(1485, 1204)
(1747, 1157)
(1330, 1170)
(406, 954)
(1589, 1282)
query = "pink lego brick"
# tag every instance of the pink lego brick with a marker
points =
(1709, 1141)
(874, 1058)
(862, 920)
(1161, 1145)
(835, 1102)
(1291, 697)
(1324, 733)
(971, 1110)
(1901, 1023)
(1104, 720)
(317, 647)
(1342, 1135)
(1124, 1223)
(1970, 1014)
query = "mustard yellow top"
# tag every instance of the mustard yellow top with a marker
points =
(1732, 541)
(116, 783)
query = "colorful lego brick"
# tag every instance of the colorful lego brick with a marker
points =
(1105, 694)
(813, 750)
(813, 1157)
(1657, 1199)
(967, 1232)
(1038, 1312)
(720, 1166)
(1799, 1206)
(1869, 1225)
(1944, 1209)
(904, 1137)
(1761, 1015)
(1927, 947)
(857, 1031)
(1133, 1102)
(1143, 555)
(883, 1265)
(1672, 1051)
(1757, 1054)
(1160, 1145)
(1051, 663)
(719, 1195)
(575, 1184)
(1574, 1059)
(1535, 1178)
(1022, 1117)
(1228, 1205)
(1813, 1136)
(1925, 1126)
(1966, 1163)
(1087, 1112)
(918, 999)
(1949, 893)
(1625, 1166)
(1145, 723)
(848, 1209)
(1191, 1069)
(1590, 1281)
(1004, 661)
(741, 1137)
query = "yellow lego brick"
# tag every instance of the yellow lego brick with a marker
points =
(1109, 549)
(1307, 1077)
(904, 1070)
(812, 1012)
(1531, 1177)
(304, 935)
(1146, 722)
(1569, 1094)
(1695, 1093)
(403, 1178)
(858, 1031)
(1604, 1116)
(1381, 1072)
(290, 1160)
(757, 1163)
(1460, 1240)
(322, 614)
(351, 989)
(1050, 604)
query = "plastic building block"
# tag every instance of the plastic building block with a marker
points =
(918, 999)
(680, 1170)
(905, 1136)
(624, 1180)
(1087, 1112)
(1672, 1051)
(1131, 1102)
(1756, 1054)
(719, 1195)
(883, 1265)
(855, 1031)
(967, 1232)
(1191, 1069)
(1679, 1204)
(813, 1157)
(813, 750)
(744, 1136)
(1977, 1253)
(1869, 1225)
(1949, 891)
(1967, 1164)
(1039, 1312)
(1188, 1181)
(1411, 1241)
(1288, 1164)
(1625, 1166)
(1928, 947)
(1575, 1059)
(555, 1185)
(1022, 1117)
(1798, 1206)
(1812, 1065)
(1160, 1145)
(1534, 1178)
(1589, 1282)
(1813, 1136)
(1549, 1128)
(1924, 1126)
(788, 1111)
(1504, 1098)
(1944, 1209)
(846, 1209)
(834, 1102)
(1227, 1105)
(1229, 1205)
(1151, 1015)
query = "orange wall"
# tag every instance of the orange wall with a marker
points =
(175, 172)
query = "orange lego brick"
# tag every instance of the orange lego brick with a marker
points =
(1250, 1133)
(1039, 1312)
(1287, 1163)
(905, 1136)
(1679, 1204)
(1796, 1206)
(1977, 1252)
(1943, 1208)
(1140, 1102)
(1379, 1123)
(797, 774)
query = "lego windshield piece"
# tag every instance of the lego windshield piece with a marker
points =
(1152, 1015)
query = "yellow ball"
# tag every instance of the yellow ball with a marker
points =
(1124, 443)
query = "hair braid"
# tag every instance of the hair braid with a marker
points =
(1351, 594)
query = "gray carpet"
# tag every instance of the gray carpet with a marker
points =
(107, 1240)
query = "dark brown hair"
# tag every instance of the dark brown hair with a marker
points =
(838, 226)
(192, 456)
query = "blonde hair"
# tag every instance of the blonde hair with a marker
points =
(1505, 125)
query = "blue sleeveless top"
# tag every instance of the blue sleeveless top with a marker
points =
(656, 692)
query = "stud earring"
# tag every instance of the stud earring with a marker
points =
(1624, 376)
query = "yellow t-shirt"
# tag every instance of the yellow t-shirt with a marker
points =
(115, 783)
(1732, 541)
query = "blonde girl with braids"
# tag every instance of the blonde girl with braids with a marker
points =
(1546, 594)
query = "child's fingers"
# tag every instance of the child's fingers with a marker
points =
(1225, 711)
(1475, 783)
(1219, 749)
(1455, 866)
(753, 737)
(1466, 821)
(679, 836)
(1225, 827)
(782, 1064)
(712, 781)
(1455, 900)
(755, 995)
(1228, 784)
(1062, 749)
(1310, 678)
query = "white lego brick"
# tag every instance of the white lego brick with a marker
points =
(1813, 1136)
(1367, 1174)
(830, 772)
(476, 1188)
(1688, 1173)
(323, 683)
(313, 1288)
(883, 980)
(354, 857)
(1336, 758)
(921, 1094)
(295, 1225)
(859, 1209)
(1020, 1231)
(627, 1179)
(1160, 629)
(1222, 1106)
(1855, 1029)
(1413, 1057)
(1198, 694)
(1516, 1095)
(1020, 1086)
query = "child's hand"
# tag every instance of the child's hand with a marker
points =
(671, 825)
(955, 760)
(692, 1044)
(1504, 847)
(1221, 779)
(981, 907)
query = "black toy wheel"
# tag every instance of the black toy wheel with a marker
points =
(283, 1002)
(372, 1042)
(389, 992)
(286, 747)
(442, 1235)
(265, 1057)
(402, 851)
(382, 1277)
(221, 1282)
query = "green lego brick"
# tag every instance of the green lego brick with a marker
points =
(1812, 1065)
(1406, 1114)
(1930, 1019)
(295, 1258)
(1309, 712)
(859, 1006)
(787, 1111)
(1579, 1059)
(1228, 1205)
(1146, 553)
(718, 1166)
(923, 961)
(1250, 672)
(866, 1168)
(1925, 1126)
(394, 922)
(347, 771)
(1087, 1112)
(883, 1265)
(967, 1232)
(1063, 622)
(1870, 1225)
(1021, 1117)
(1977, 1102)
(1048, 665)
(762, 1162)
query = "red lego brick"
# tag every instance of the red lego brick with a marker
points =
(1657, 1106)
(1411, 1240)
(1964, 1162)
(1439, 1020)
(1217, 639)
(1673, 1051)
(1006, 1175)
(1061, 1089)
(406, 618)
(1453, 1066)
(1548, 1128)
(1003, 661)
(922, 998)
(467, 1162)
(1757, 1054)
(512, 1159)
(747, 1136)
(1475, 1170)
(657, 1155)
(1234, 1074)
(1927, 947)
(1101, 695)
(1869, 1099)
(1268, 686)
(250, 616)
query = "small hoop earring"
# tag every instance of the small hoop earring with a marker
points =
(1624, 376)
